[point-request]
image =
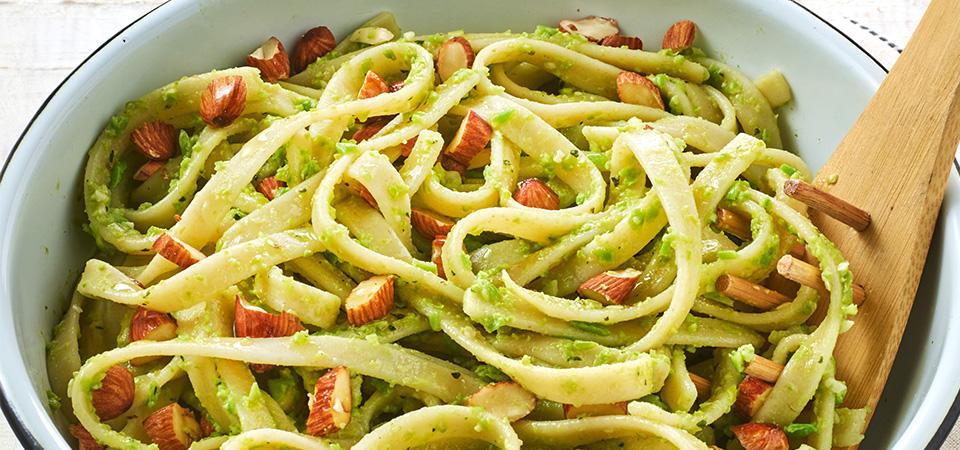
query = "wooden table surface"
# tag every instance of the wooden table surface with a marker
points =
(41, 41)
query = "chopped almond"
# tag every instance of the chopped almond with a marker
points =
(764, 369)
(617, 40)
(680, 36)
(407, 147)
(701, 384)
(172, 427)
(156, 140)
(638, 90)
(272, 60)
(436, 254)
(371, 300)
(534, 193)
(206, 428)
(115, 394)
(331, 404)
(593, 28)
(269, 187)
(750, 396)
(611, 287)
(250, 321)
(428, 224)
(473, 135)
(455, 54)
(373, 86)
(177, 251)
(223, 101)
(505, 399)
(609, 409)
(84, 438)
(147, 170)
(371, 128)
(395, 86)
(761, 436)
(315, 43)
(147, 325)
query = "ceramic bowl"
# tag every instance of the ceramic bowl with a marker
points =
(42, 245)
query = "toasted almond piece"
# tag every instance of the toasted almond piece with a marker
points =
(618, 40)
(84, 438)
(172, 427)
(428, 224)
(750, 293)
(371, 35)
(455, 54)
(764, 369)
(272, 60)
(156, 140)
(177, 218)
(371, 300)
(253, 322)
(436, 254)
(680, 36)
(611, 287)
(269, 187)
(609, 409)
(371, 128)
(206, 428)
(177, 251)
(534, 193)
(593, 28)
(733, 223)
(796, 269)
(827, 203)
(331, 404)
(372, 86)
(364, 193)
(223, 101)
(147, 170)
(395, 86)
(505, 399)
(702, 384)
(761, 436)
(473, 135)
(750, 396)
(151, 326)
(407, 147)
(315, 43)
(638, 90)
(115, 394)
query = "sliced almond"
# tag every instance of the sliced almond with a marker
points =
(428, 224)
(436, 254)
(269, 187)
(534, 193)
(223, 101)
(473, 135)
(253, 322)
(315, 43)
(172, 427)
(272, 60)
(617, 40)
(593, 28)
(504, 399)
(147, 170)
(455, 54)
(331, 404)
(609, 409)
(612, 287)
(750, 396)
(84, 438)
(680, 36)
(156, 140)
(115, 394)
(638, 90)
(371, 128)
(371, 300)
(373, 85)
(177, 251)
(761, 436)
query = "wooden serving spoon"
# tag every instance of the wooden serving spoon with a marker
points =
(894, 164)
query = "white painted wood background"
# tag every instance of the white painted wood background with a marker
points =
(41, 41)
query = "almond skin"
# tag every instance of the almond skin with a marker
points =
(750, 396)
(147, 170)
(455, 54)
(269, 187)
(364, 193)
(436, 253)
(206, 428)
(534, 193)
(617, 40)
(272, 60)
(115, 394)
(505, 399)
(610, 409)
(332, 402)
(473, 135)
(593, 28)
(428, 224)
(84, 438)
(156, 140)
(395, 86)
(172, 427)
(372, 86)
(223, 101)
(761, 436)
(610, 287)
(177, 251)
(371, 128)
(638, 90)
(315, 43)
(680, 36)
(371, 300)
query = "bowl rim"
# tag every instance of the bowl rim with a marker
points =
(27, 439)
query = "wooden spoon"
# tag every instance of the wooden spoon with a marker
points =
(894, 164)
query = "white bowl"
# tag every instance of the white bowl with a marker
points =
(43, 247)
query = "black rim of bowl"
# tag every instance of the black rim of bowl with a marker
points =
(27, 439)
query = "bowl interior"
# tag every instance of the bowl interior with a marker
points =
(43, 246)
